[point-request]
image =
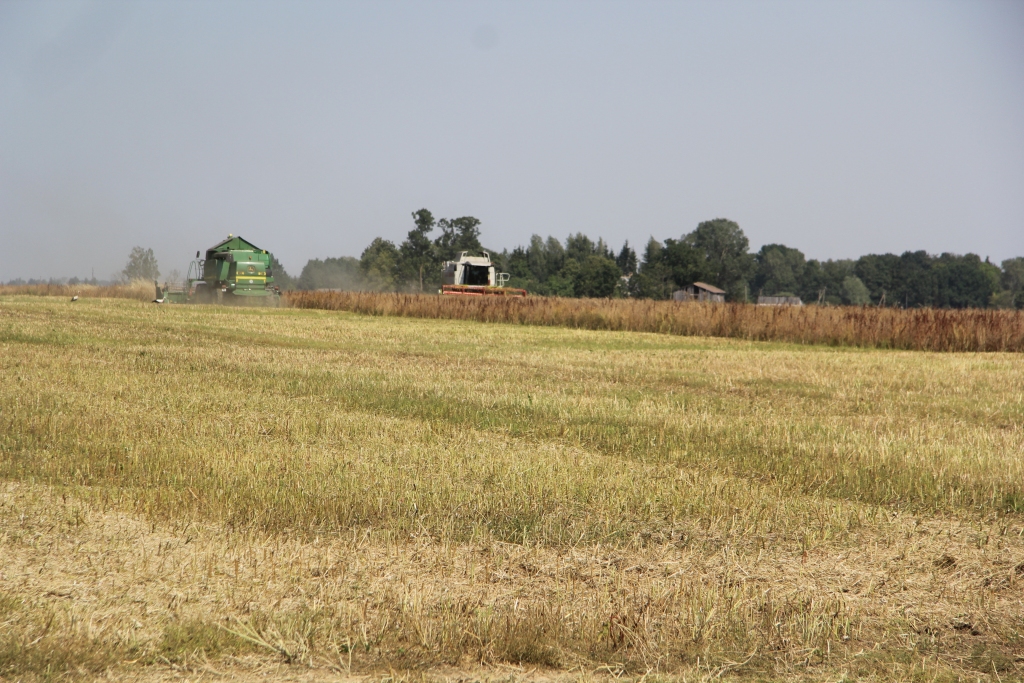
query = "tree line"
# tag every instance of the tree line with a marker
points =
(716, 252)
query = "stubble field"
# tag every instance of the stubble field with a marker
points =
(213, 492)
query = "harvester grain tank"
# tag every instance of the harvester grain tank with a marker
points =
(234, 271)
(475, 276)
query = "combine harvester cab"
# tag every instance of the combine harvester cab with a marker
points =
(234, 271)
(475, 276)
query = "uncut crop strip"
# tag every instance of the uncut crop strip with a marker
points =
(140, 290)
(923, 329)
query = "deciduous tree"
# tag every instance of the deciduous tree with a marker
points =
(457, 234)
(724, 248)
(141, 265)
(780, 270)
(597, 277)
(853, 291)
(379, 264)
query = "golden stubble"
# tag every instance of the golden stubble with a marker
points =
(349, 495)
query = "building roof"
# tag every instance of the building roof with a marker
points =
(710, 288)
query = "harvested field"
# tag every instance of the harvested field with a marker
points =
(923, 329)
(288, 493)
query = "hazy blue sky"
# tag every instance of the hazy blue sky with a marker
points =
(840, 128)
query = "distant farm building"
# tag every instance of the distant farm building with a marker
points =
(700, 291)
(779, 301)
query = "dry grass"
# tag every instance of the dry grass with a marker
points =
(887, 328)
(273, 492)
(140, 290)
(913, 600)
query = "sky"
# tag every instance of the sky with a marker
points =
(839, 128)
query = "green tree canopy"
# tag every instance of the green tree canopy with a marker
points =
(579, 247)
(684, 264)
(417, 254)
(716, 252)
(518, 264)
(563, 283)
(878, 272)
(597, 277)
(824, 279)
(779, 270)
(554, 255)
(962, 282)
(1013, 274)
(281, 277)
(141, 265)
(379, 265)
(854, 292)
(626, 260)
(654, 278)
(724, 251)
(457, 234)
(1012, 282)
(537, 258)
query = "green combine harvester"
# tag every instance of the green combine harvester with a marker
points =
(234, 271)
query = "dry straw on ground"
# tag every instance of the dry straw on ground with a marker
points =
(891, 328)
(204, 490)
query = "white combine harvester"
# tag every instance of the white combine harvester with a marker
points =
(475, 276)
